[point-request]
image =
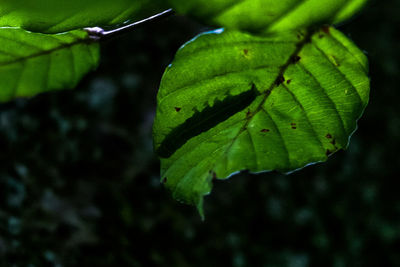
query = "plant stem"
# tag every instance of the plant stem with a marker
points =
(97, 33)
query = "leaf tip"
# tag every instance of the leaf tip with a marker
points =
(200, 208)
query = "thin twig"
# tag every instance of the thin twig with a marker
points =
(98, 33)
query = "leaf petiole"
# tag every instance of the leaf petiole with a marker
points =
(97, 33)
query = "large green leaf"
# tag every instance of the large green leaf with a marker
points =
(268, 15)
(232, 101)
(52, 16)
(31, 63)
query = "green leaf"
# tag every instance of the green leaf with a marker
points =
(49, 16)
(31, 63)
(231, 101)
(268, 15)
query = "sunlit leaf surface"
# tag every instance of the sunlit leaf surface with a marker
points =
(31, 63)
(232, 101)
(52, 16)
(268, 15)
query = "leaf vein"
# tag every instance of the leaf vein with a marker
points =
(279, 134)
(296, 100)
(192, 84)
(343, 128)
(339, 71)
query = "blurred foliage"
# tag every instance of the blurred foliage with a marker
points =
(63, 15)
(268, 15)
(79, 183)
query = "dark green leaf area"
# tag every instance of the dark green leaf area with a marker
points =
(269, 15)
(311, 90)
(50, 16)
(32, 63)
(202, 121)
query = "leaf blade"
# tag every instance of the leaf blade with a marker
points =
(60, 16)
(269, 15)
(32, 63)
(311, 91)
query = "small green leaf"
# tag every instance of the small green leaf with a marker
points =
(232, 101)
(268, 15)
(31, 63)
(49, 16)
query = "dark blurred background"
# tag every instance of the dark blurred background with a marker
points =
(79, 183)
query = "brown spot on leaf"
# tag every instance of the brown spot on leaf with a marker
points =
(296, 59)
(293, 125)
(326, 29)
(164, 180)
(245, 52)
(177, 109)
(248, 113)
(279, 80)
(288, 81)
(265, 130)
(328, 152)
(333, 141)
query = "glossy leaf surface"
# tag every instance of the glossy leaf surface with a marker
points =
(53, 16)
(268, 15)
(31, 63)
(232, 101)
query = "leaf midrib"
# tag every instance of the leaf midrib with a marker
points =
(267, 92)
(46, 52)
